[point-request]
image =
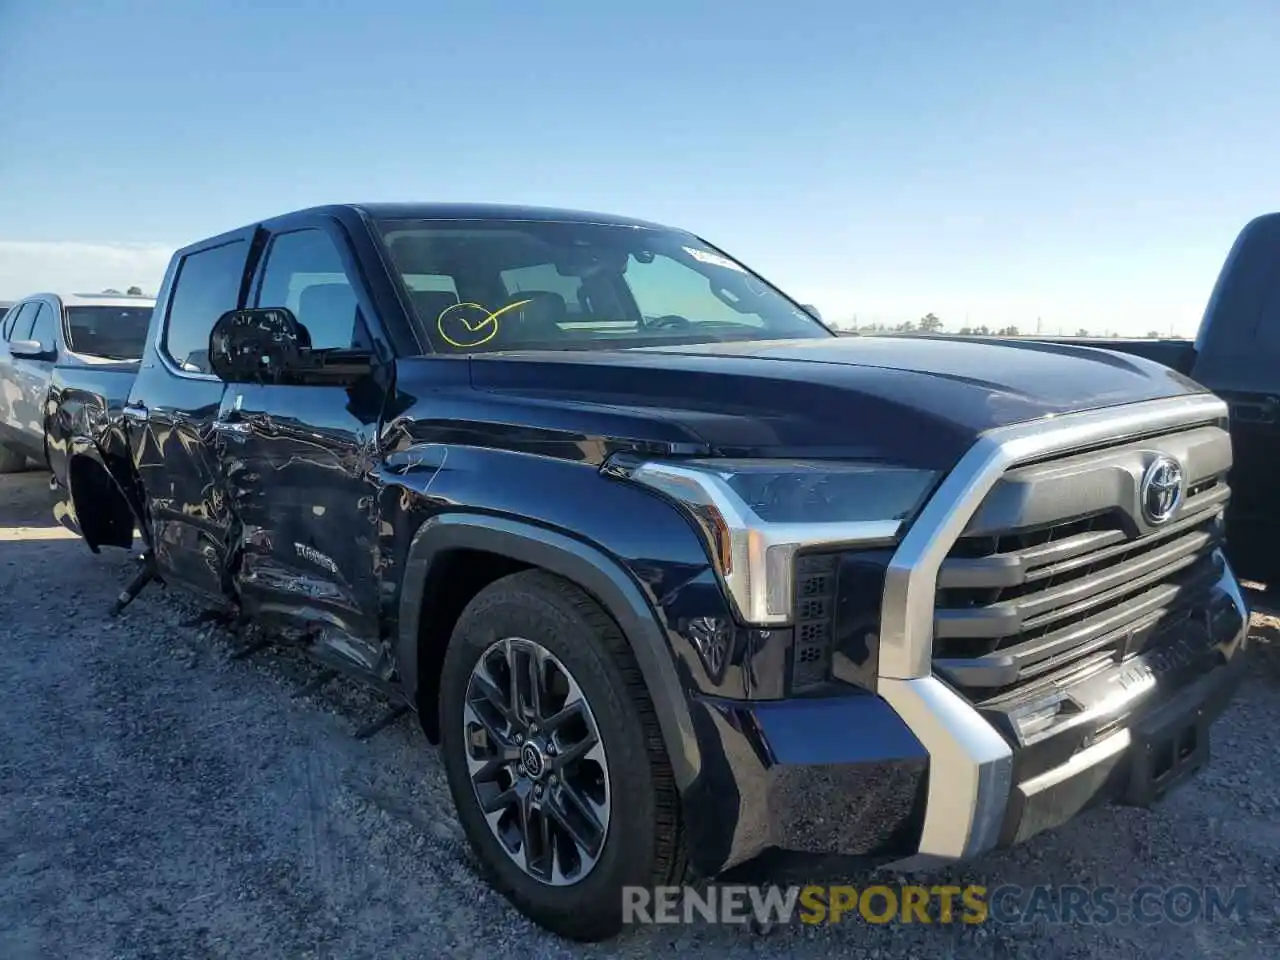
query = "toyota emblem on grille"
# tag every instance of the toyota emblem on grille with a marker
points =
(1161, 491)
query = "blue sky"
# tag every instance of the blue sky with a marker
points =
(1087, 163)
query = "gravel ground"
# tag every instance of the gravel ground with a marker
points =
(160, 800)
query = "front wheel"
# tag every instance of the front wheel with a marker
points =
(554, 756)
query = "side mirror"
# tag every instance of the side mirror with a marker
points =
(810, 309)
(30, 350)
(269, 345)
(255, 346)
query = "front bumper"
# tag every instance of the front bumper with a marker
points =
(1134, 765)
(855, 777)
(816, 777)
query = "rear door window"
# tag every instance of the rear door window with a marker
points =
(207, 286)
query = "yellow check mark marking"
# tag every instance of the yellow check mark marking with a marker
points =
(474, 326)
(510, 306)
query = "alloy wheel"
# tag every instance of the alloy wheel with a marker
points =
(536, 761)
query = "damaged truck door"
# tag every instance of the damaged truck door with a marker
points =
(257, 479)
(297, 450)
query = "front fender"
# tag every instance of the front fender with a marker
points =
(578, 562)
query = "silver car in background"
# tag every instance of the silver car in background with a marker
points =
(45, 329)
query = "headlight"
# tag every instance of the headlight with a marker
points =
(756, 514)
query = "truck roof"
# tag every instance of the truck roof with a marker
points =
(421, 211)
(493, 211)
(430, 211)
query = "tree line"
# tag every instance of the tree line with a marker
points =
(930, 323)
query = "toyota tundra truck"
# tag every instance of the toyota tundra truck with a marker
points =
(678, 580)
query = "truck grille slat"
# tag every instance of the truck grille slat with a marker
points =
(1015, 567)
(1157, 606)
(1093, 560)
(1036, 608)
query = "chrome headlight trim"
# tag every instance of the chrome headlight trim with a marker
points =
(753, 557)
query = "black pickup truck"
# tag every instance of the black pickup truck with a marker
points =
(1236, 354)
(678, 579)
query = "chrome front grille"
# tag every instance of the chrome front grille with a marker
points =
(1059, 569)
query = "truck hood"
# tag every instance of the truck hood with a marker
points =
(917, 401)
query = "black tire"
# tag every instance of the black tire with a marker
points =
(11, 461)
(644, 843)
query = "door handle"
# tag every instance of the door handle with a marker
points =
(230, 421)
(232, 426)
(137, 411)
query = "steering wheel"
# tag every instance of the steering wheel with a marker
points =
(672, 320)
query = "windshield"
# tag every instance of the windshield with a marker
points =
(114, 333)
(522, 284)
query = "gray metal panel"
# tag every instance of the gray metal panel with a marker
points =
(1092, 483)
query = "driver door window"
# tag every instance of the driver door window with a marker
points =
(304, 273)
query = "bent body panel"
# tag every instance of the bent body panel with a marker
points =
(84, 422)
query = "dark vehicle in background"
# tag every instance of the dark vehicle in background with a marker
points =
(45, 331)
(1236, 354)
(678, 580)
